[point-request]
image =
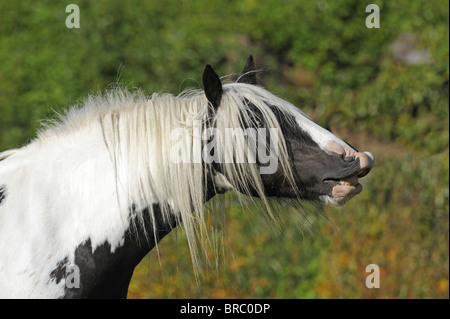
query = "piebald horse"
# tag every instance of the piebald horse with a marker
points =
(96, 190)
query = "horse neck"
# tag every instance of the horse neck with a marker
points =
(127, 220)
(77, 214)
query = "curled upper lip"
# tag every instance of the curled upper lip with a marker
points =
(358, 167)
(349, 173)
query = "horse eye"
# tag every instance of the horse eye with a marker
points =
(349, 158)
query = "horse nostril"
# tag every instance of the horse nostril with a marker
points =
(363, 172)
(366, 160)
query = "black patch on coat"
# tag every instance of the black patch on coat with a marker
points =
(104, 274)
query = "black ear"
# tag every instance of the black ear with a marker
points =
(248, 74)
(212, 86)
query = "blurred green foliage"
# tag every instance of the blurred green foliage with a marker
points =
(318, 55)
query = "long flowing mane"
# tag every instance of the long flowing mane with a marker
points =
(137, 132)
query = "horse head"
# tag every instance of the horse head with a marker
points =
(318, 166)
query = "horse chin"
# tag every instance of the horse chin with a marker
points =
(341, 194)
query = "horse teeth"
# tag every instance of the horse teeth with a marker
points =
(344, 183)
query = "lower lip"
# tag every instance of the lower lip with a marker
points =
(351, 190)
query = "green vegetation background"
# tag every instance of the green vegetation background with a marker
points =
(385, 90)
